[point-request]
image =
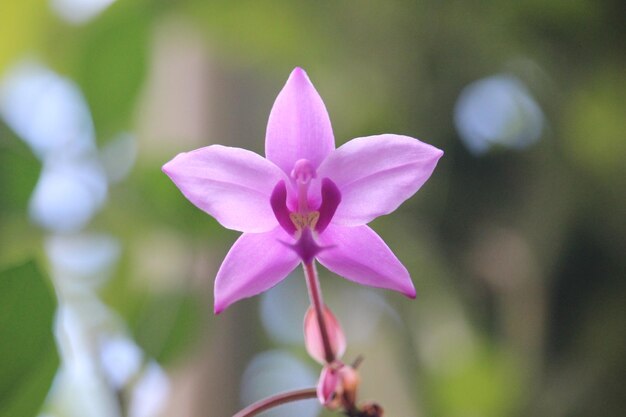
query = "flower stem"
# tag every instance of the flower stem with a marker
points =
(276, 400)
(315, 294)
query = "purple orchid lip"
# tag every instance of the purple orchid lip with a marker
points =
(331, 197)
(306, 247)
(317, 220)
(278, 201)
(304, 225)
(361, 180)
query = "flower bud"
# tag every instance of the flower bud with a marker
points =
(337, 386)
(349, 383)
(328, 386)
(313, 337)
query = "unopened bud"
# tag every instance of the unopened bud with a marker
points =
(313, 336)
(349, 383)
(328, 386)
(337, 386)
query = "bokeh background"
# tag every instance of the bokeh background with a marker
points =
(516, 244)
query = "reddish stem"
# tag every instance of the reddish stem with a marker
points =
(315, 293)
(276, 400)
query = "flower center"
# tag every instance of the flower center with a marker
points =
(305, 222)
(302, 173)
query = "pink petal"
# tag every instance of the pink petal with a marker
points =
(298, 126)
(327, 385)
(313, 335)
(376, 174)
(360, 255)
(255, 263)
(231, 184)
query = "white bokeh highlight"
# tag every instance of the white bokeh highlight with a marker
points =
(121, 359)
(497, 111)
(150, 393)
(277, 371)
(79, 11)
(50, 114)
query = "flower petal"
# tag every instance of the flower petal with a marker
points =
(360, 255)
(231, 184)
(255, 263)
(376, 174)
(298, 126)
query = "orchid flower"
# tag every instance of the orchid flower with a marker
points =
(305, 200)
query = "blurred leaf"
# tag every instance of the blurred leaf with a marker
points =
(595, 124)
(249, 29)
(168, 325)
(19, 170)
(112, 64)
(21, 23)
(485, 383)
(29, 360)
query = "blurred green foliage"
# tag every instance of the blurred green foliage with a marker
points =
(19, 170)
(28, 350)
(111, 65)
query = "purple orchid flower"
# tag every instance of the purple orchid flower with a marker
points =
(306, 200)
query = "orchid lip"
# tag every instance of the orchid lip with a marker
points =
(294, 222)
(306, 247)
(278, 201)
(304, 224)
(331, 197)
